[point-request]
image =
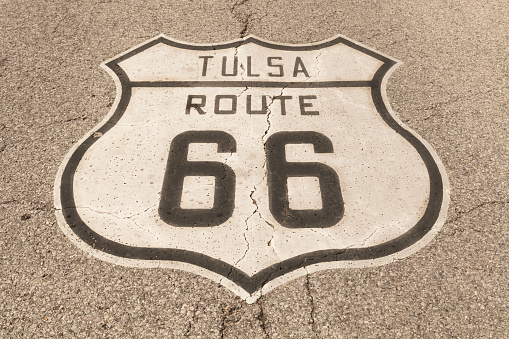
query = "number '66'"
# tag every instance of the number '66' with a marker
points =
(278, 172)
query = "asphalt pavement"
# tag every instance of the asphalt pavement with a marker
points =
(452, 89)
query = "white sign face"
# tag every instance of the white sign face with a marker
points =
(251, 163)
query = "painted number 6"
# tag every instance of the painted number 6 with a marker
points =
(179, 167)
(279, 170)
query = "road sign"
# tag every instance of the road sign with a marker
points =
(251, 163)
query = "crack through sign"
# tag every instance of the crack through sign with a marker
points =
(130, 218)
(317, 62)
(113, 214)
(264, 167)
(255, 187)
(243, 70)
(381, 229)
(264, 139)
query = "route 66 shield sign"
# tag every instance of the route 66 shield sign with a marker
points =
(251, 163)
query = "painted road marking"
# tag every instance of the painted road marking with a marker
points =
(251, 163)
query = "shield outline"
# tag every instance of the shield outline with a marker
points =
(251, 287)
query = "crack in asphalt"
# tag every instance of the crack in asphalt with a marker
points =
(441, 104)
(377, 34)
(246, 25)
(39, 206)
(81, 117)
(226, 312)
(8, 202)
(237, 4)
(312, 303)
(262, 318)
(461, 214)
(191, 321)
(389, 31)
(243, 19)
